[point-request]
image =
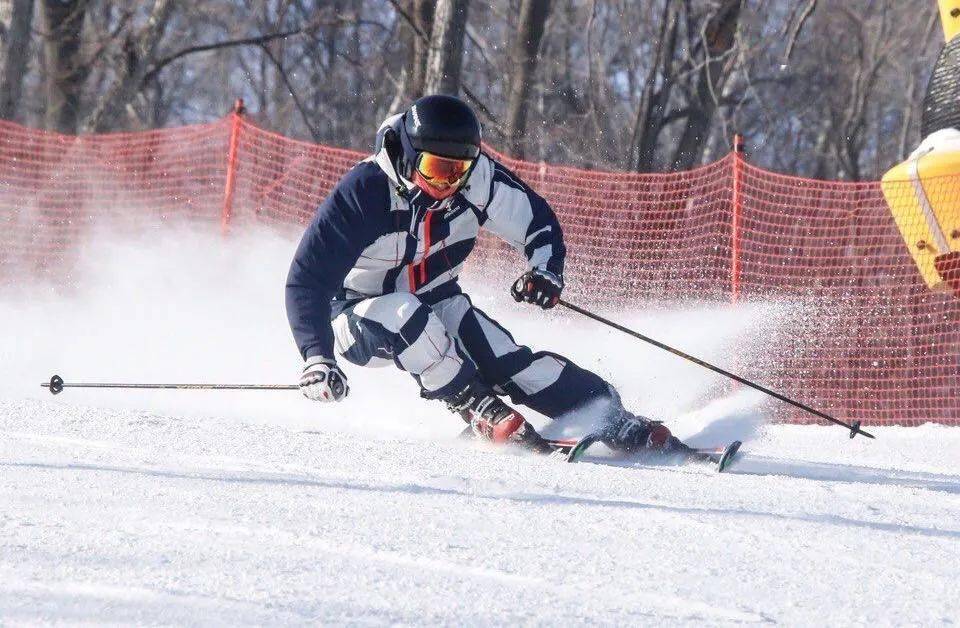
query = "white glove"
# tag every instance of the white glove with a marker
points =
(322, 380)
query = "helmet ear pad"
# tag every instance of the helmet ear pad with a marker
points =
(390, 141)
(408, 154)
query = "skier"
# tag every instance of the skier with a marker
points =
(375, 280)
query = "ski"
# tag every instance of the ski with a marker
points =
(575, 448)
(722, 457)
(729, 454)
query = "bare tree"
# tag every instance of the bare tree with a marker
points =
(417, 18)
(652, 110)
(712, 48)
(833, 87)
(446, 47)
(66, 70)
(795, 27)
(523, 56)
(16, 51)
(856, 101)
(423, 11)
(132, 63)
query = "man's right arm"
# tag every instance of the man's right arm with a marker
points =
(329, 249)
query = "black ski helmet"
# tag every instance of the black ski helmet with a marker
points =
(438, 124)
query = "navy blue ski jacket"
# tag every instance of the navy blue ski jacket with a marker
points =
(376, 233)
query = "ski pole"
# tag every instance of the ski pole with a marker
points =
(853, 427)
(56, 385)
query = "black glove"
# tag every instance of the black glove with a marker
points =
(537, 286)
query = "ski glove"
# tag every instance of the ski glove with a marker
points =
(538, 286)
(322, 380)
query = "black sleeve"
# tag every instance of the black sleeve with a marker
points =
(329, 249)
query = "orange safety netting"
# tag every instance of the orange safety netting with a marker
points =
(863, 336)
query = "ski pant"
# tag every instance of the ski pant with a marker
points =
(448, 344)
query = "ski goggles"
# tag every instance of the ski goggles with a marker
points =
(442, 171)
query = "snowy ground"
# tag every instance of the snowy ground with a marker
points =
(122, 517)
(195, 508)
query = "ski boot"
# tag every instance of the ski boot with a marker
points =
(492, 420)
(635, 434)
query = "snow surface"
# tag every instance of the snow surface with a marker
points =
(199, 508)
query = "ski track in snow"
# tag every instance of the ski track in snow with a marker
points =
(133, 517)
(196, 508)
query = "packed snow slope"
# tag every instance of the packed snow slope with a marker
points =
(197, 508)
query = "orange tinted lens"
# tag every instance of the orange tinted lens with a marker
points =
(434, 167)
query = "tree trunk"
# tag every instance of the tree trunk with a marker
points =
(65, 71)
(415, 34)
(138, 53)
(720, 36)
(653, 102)
(423, 11)
(446, 47)
(523, 57)
(16, 63)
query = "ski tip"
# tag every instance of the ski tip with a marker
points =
(576, 452)
(728, 455)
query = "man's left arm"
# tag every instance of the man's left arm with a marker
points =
(524, 219)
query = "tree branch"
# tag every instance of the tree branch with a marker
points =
(797, 27)
(412, 23)
(259, 40)
(293, 93)
(482, 108)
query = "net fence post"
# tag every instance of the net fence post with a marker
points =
(236, 119)
(736, 206)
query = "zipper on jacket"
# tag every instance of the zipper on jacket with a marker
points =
(422, 266)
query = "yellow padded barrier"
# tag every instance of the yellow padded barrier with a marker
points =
(950, 18)
(924, 196)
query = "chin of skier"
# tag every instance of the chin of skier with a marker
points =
(375, 281)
